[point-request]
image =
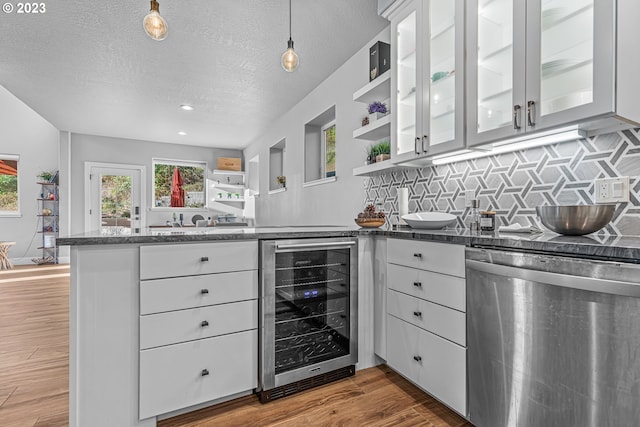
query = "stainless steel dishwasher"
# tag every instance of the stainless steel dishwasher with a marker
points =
(552, 341)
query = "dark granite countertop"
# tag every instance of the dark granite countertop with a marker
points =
(611, 247)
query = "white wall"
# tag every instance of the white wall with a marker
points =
(333, 203)
(92, 148)
(23, 132)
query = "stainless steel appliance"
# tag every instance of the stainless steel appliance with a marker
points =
(308, 329)
(552, 341)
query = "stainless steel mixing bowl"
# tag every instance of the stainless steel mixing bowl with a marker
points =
(575, 220)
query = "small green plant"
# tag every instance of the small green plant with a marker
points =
(282, 180)
(45, 175)
(382, 147)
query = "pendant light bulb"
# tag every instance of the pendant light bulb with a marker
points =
(154, 25)
(290, 58)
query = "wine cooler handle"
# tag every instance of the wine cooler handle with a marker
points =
(330, 245)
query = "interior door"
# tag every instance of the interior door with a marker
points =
(115, 200)
(496, 75)
(570, 61)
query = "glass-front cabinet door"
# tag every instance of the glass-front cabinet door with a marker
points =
(428, 77)
(570, 60)
(496, 67)
(537, 64)
(404, 71)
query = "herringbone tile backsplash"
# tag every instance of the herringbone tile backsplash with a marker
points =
(513, 184)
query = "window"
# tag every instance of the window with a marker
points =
(329, 150)
(9, 200)
(320, 149)
(168, 192)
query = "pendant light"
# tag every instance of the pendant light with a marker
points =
(289, 58)
(154, 25)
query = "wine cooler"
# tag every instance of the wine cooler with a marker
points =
(308, 330)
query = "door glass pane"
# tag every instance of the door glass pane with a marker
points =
(406, 108)
(442, 52)
(495, 64)
(312, 307)
(566, 47)
(115, 204)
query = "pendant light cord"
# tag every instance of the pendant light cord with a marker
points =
(289, 19)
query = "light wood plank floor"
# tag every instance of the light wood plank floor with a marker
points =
(34, 374)
(34, 346)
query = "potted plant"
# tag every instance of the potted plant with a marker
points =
(376, 110)
(45, 176)
(282, 181)
(381, 151)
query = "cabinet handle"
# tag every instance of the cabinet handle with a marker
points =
(418, 255)
(530, 113)
(416, 145)
(204, 291)
(204, 323)
(425, 138)
(204, 259)
(204, 372)
(516, 116)
(417, 284)
(417, 358)
(417, 313)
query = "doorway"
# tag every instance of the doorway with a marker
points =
(114, 198)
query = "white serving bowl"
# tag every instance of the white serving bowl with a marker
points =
(429, 220)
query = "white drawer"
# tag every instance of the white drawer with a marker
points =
(436, 365)
(185, 325)
(439, 288)
(196, 291)
(439, 257)
(172, 377)
(442, 321)
(190, 259)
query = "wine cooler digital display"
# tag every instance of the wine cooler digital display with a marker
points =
(309, 311)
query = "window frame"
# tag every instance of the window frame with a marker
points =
(173, 162)
(323, 149)
(18, 212)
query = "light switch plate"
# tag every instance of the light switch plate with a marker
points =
(469, 196)
(612, 190)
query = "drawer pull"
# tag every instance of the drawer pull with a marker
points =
(204, 259)
(417, 313)
(417, 284)
(204, 372)
(418, 255)
(204, 291)
(417, 358)
(204, 324)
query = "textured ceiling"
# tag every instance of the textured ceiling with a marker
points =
(88, 67)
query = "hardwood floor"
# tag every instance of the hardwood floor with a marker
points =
(34, 374)
(374, 397)
(34, 346)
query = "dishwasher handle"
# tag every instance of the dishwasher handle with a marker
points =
(615, 287)
(318, 245)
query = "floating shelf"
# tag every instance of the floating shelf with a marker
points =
(374, 130)
(223, 172)
(223, 186)
(379, 168)
(228, 200)
(377, 90)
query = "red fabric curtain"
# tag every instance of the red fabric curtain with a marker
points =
(177, 193)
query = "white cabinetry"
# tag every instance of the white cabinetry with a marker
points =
(198, 323)
(539, 65)
(426, 317)
(427, 53)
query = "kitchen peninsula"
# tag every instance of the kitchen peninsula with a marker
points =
(110, 338)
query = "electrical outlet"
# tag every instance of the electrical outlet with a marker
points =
(612, 190)
(469, 195)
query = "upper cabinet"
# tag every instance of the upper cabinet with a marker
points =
(427, 53)
(544, 64)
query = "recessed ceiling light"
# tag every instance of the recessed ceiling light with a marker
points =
(182, 133)
(186, 107)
